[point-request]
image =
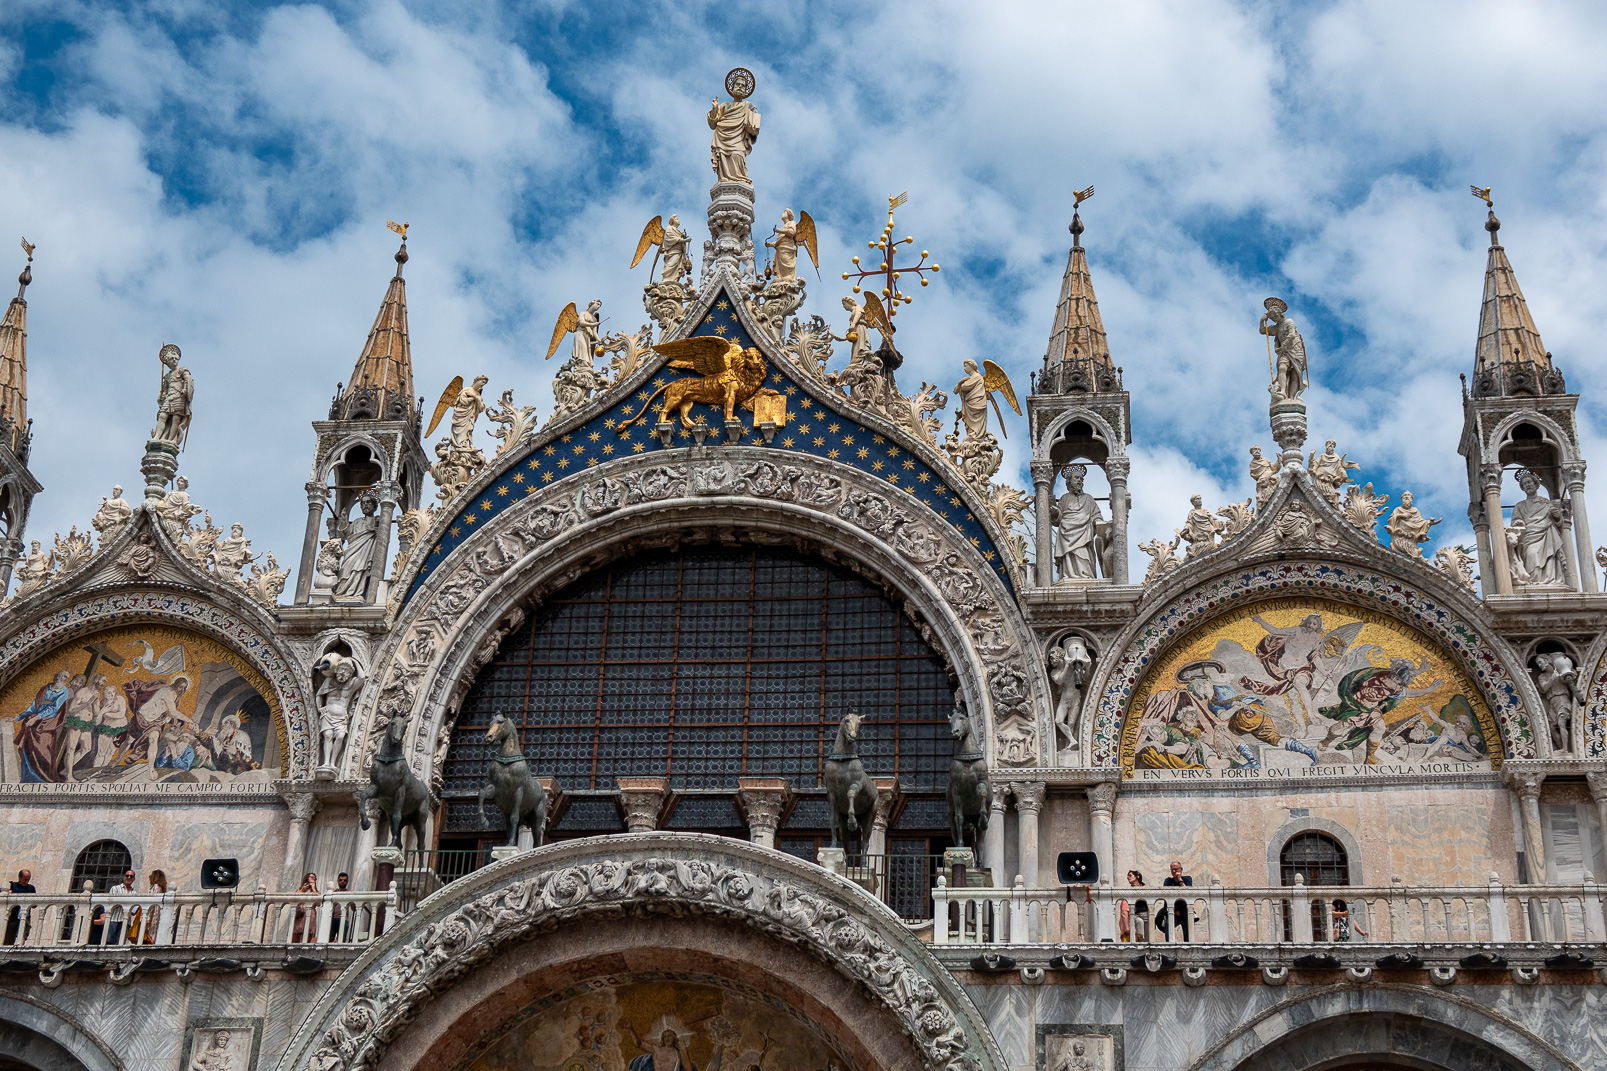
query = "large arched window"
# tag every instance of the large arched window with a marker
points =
(1316, 857)
(103, 863)
(705, 665)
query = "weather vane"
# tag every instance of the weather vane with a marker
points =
(889, 269)
(399, 228)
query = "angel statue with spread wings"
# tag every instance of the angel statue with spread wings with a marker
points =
(727, 376)
(976, 390)
(669, 240)
(788, 237)
(584, 325)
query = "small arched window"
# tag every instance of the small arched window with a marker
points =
(103, 863)
(1316, 857)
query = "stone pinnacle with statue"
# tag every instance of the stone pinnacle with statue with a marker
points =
(1286, 359)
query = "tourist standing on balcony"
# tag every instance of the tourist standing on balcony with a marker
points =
(306, 924)
(23, 884)
(1180, 909)
(1141, 909)
(152, 913)
(1342, 923)
(116, 918)
(342, 885)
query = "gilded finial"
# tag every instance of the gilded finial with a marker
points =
(1076, 227)
(401, 254)
(1491, 224)
(27, 269)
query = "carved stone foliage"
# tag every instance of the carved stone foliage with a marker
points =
(169, 607)
(684, 875)
(1478, 653)
(973, 596)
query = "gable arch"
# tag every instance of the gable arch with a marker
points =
(1554, 433)
(455, 621)
(1112, 436)
(337, 454)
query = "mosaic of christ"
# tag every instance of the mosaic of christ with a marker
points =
(139, 704)
(1300, 683)
(655, 1022)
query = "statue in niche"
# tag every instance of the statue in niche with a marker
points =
(114, 512)
(1290, 376)
(173, 400)
(1330, 471)
(1081, 528)
(1558, 682)
(342, 680)
(1264, 472)
(358, 537)
(1408, 528)
(1069, 666)
(736, 127)
(1535, 544)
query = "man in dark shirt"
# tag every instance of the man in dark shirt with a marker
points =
(1180, 909)
(23, 884)
(342, 885)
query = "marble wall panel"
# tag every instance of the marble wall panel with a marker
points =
(1206, 842)
(1447, 843)
(195, 842)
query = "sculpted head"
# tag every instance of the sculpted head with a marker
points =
(1255, 452)
(848, 303)
(1196, 501)
(675, 220)
(481, 381)
(237, 530)
(786, 215)
(970, 368)
(181, 483)
(593, 305)
(117, 490)
(1406, 498)
(1528, 481)
(369, 504)
(1330, 445)
(1075, 475)
(170, 355)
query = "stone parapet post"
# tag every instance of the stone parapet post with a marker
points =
(763, 800)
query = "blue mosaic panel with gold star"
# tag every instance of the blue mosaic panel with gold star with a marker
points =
(811, 428)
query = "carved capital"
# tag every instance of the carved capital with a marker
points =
(1477, 518)
(886, 800)
(1043, 473)
(1527, 785)
(1573, 476)
(1102, 798)
(1117, 468)
(1029, 795)
(642, 799)
(303, 805)
(1490, 478)
(763, 800)
(1000, 793)
(317, 494)
(1597, 780)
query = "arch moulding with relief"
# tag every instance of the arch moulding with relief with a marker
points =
(455, 621)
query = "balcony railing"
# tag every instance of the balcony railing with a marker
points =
(37, 921)
(1297, 914)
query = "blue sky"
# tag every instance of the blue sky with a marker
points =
(219, 176)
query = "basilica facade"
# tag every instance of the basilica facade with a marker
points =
(734, 713)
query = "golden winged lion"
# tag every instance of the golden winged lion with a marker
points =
(727, 376)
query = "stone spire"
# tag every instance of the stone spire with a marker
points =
(1078, 360)
(14, 366)
(1510, 358)
(381, 386)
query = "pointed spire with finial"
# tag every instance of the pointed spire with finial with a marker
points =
(1509, 342)
(14, 362)
(382, 383)
(1079, 355)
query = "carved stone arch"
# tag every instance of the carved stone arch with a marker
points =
(117, 606)
(1559, 436)
(787, 925)
(1346, 571)
(1114, 437)
(1593, 723)
(553, 536)
(1380, 1020)
(337, 453)
(38, 1035)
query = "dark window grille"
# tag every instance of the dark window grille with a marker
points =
(104, 863)
(709, 664)
(1318, 858)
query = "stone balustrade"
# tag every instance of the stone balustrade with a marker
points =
(98, 922)
(1396, 914)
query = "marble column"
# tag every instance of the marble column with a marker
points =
(1574, 477)
(317, 495)
(1043, 487)
(303, 805)
(362, 866)
(1116, 470)
(642, 800)
(1597, 779)
(389, 493)
(1490, 477)
(886, 800)
(1481, 541)
(763, 799)
(1527, 786)
(993, 839)
(10, 549)
(1029, 801)
(1101, 829)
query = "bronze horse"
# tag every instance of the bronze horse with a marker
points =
(849, 788)
(518, 795)
(968, 782)
(402, 796)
